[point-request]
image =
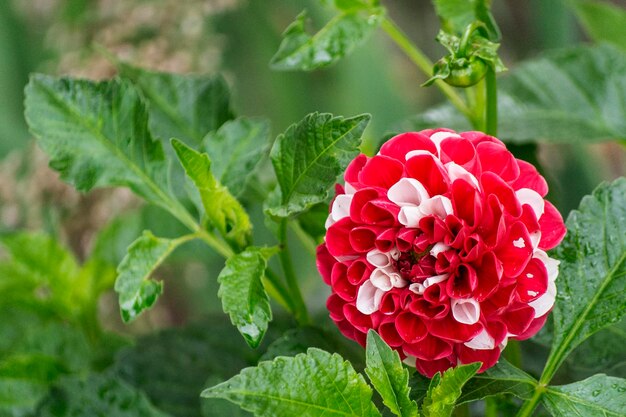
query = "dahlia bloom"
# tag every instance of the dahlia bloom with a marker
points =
(439, 244)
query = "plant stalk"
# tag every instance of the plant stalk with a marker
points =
(424, 64)
(301, 313)
(491, 114)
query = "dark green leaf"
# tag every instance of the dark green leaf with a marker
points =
(186, 358)
(572, 95)
(593, 263)
(96, 135)
(603, 21)
(222, 209)
(500, 379)
(243, 296)
(309, 157)
(301, 51)
(136, 290)
(314, 384)
(444, 392)
(98, 395)
(388, 376)
(599, 395)
(182, 106)
(236, 150)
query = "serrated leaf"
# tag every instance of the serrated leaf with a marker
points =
(499, 379)
(98, 395)
(186, 358)
(590, 287)
(572, 95)
(444, 392)
(603, 21)
(388, 376)
(243, 297)
(96, 134)
(599, 395)
(314, 384)
(309, 157)
(182, 106)
(236, 150)
(222, 209)
(301, 51)
(136, 290)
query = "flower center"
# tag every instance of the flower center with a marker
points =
(416, 266)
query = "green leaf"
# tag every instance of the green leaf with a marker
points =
(309, 157)
(593, 263)
(456, 15)
(599, 395)
(182, 106)
(503, 378)
(25, 380)
(96, 135)
(572, 95)
(186, 357)
(98, 395)
(222, 209)
(243, 297)
(388, 376)
(309, 385)
(236, 150)
(444, 391)
(136, 290)
(301, 51)
(603, 21)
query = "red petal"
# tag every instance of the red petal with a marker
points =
(533, 282)
(335, 304)
(380, 212)
(410, 327)
(386, 240)
(516, 250)
(430, 368)
(496, 158)
(529, 177)
(340, 283)
(363, 238)
(487, 357)
(354, 168)
(494, 185)
(489, 273)
(552, 227)
(358, 271)
(461, 152)
(381, 171)
(463, 282)
(405, 239)
(429, 348)
(324, 261)
(518, 317)
(450, 329)
(398, 146)
(428, 170)
(359, 320)
(533, 328)
(359, 200)
(428, 310)
(466, 202)
(337, 240)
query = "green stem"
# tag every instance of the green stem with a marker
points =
(529, 406)
(307, 241)
(210, 239)
(491, 114)
(301, 313)
(423, 63)
(277, 290)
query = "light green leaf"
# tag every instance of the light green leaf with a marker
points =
(501, 378)
(96, 134)
(182, 106)
(98, 395)
(388, 376)
(309, 157)
(603, 21)
(136, 290)
(301, 51)
(236, 150)
(572, 95)
(242, 293)
(314, 384)
(599, 395)
(444, 391)
(222, 209)
(590, 286)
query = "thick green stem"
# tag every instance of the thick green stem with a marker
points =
(491, 114)
(211, 240)
(277, 290)
(529, 406)
(424, 64)
(301, 313)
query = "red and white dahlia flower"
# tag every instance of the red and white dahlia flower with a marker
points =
(439, 244)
